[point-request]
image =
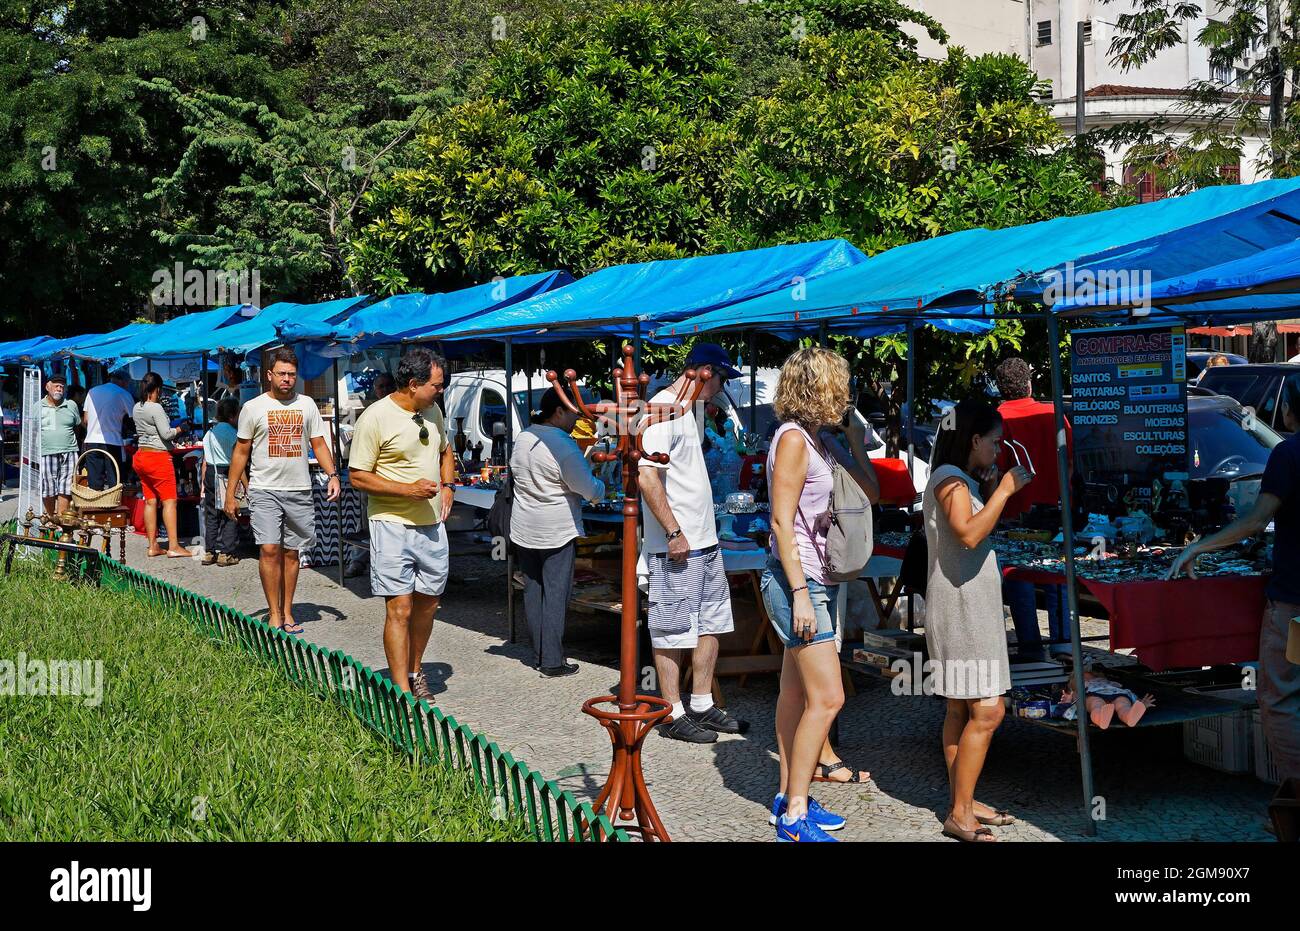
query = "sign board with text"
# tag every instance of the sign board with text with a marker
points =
(1128, 389)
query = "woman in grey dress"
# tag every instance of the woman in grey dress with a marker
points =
(964, 628)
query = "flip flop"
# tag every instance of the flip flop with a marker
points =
(950, 829)
(823, 773)
(171, 555)
(293, 628)
(1000, 819)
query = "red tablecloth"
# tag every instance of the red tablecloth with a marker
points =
(1168, 624)
(1185, 622)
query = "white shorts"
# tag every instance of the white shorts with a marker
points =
(405, 558)
(687, 599)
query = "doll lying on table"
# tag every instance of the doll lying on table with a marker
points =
(1104, 698)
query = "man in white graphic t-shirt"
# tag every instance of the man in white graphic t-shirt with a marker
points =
(272, 437)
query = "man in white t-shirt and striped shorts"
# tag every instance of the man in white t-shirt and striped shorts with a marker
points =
(689, 599)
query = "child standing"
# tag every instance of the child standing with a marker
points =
(221, 533)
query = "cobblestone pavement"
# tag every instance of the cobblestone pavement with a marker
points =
(722, 791)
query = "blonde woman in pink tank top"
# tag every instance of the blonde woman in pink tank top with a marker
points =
(812, 398)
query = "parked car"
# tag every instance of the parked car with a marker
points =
(1197, 359)
(1257, 386)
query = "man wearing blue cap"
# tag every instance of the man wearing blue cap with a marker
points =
(689, 600)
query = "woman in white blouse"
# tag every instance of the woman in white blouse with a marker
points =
(551, 478)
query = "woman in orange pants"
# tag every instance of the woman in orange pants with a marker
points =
(153, 463)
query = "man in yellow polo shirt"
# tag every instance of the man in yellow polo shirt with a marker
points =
(402, 460)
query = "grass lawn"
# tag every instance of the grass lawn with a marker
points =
(195, 741)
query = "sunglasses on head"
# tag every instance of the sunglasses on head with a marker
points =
(424, 431)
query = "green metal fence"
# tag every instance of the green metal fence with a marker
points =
(416, 728)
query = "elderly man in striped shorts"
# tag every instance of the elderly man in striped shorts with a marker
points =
(60, 418)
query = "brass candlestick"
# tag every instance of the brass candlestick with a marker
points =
(625, 796)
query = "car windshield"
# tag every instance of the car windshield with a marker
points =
(1226, 445)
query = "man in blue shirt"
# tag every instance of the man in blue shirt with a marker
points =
(1279, 503)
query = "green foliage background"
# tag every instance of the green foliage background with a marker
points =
(346, 147)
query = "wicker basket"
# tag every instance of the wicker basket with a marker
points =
(86, 498)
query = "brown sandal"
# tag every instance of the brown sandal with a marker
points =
(950, 829)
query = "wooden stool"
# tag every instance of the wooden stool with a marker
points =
(118, 518)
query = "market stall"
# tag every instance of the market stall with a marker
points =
(1099, 264)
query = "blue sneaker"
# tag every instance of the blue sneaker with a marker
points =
(826, 820)
(803, 831)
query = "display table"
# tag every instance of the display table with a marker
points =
(475, 496)
(1169, 623)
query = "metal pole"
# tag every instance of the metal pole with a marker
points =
(203, 390)
(909, 425)
(823, 333)
(1067, 527)
(636, 347)
(910, 422)
(338, 465)
(753, 382)
(1078, 79)
(510, 448)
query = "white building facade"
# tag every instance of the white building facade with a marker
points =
(1044, 33)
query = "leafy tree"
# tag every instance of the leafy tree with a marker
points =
(1188, 150)
(82, 144)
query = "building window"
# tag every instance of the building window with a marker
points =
(1223, 74)
(1145, 186)
(1045, 32)
(1231, 173)
(1087, 31)
(1240, 79)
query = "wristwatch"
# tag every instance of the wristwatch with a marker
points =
(674, 535)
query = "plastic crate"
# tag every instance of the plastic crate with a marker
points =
(1222, 742)
(1265, 769)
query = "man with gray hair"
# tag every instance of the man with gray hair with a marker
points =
(402, 459)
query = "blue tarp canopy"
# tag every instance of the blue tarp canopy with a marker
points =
(606, 302)
(18, 349)
(261, 331)
(957, 275)
(405, 317)
(1261, 286)
(73, 346)
(173, 338)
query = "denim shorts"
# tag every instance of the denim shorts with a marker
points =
(780, 611)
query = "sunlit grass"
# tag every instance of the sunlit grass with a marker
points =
(196, 741)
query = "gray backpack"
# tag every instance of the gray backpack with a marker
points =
(847, 528)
